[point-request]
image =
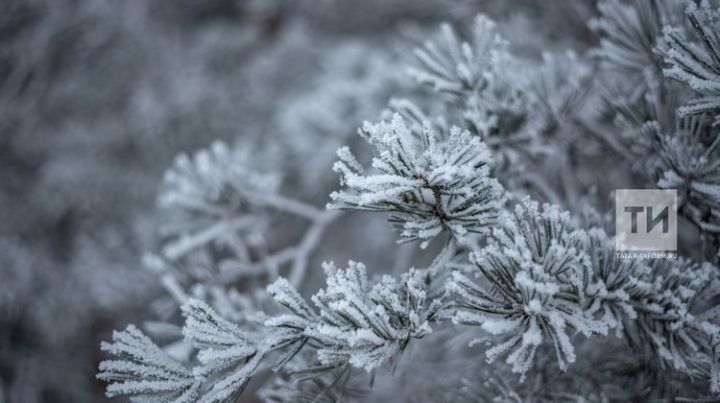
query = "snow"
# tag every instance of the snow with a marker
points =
(431, 184)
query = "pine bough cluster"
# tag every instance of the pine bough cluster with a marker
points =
(429, 184)
(531, 284)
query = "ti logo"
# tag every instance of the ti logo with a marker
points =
(645, 220)
(651, 222)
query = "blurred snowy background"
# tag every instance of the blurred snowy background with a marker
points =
(97, 97)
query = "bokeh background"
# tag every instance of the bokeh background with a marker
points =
(98, 96)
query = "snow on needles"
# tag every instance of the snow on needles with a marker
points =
(429, 183)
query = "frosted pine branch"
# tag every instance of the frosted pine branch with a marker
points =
(358, 325)
(560, 90)
(664, 299)
(697, 65)
(479, 73)
(144, 370)
(608, 296)
(212, 196)
(534, 274)
(543, 277)
(430, 184)
(228, 356)
(215, 194)
(451, 65)
(713, 334)
(215, 182)
(537, 288)
(688, 160)
(629, 32)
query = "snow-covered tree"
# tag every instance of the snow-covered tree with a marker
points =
(508, 158)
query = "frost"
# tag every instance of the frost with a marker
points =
(480, 73)
(689, 163)
(619, 25)
(143, 369)
(544, 279)
(560, 90)
(698, 67)
(365, 327)
(450, 65)
(496, 326)
(541, 294)
(609, 297)
(531, 272)
(431, 184)
(223, 346)
(667, 326)
(215, 182)
(713, 333)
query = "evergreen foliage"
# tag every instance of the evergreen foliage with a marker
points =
(497, 158)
